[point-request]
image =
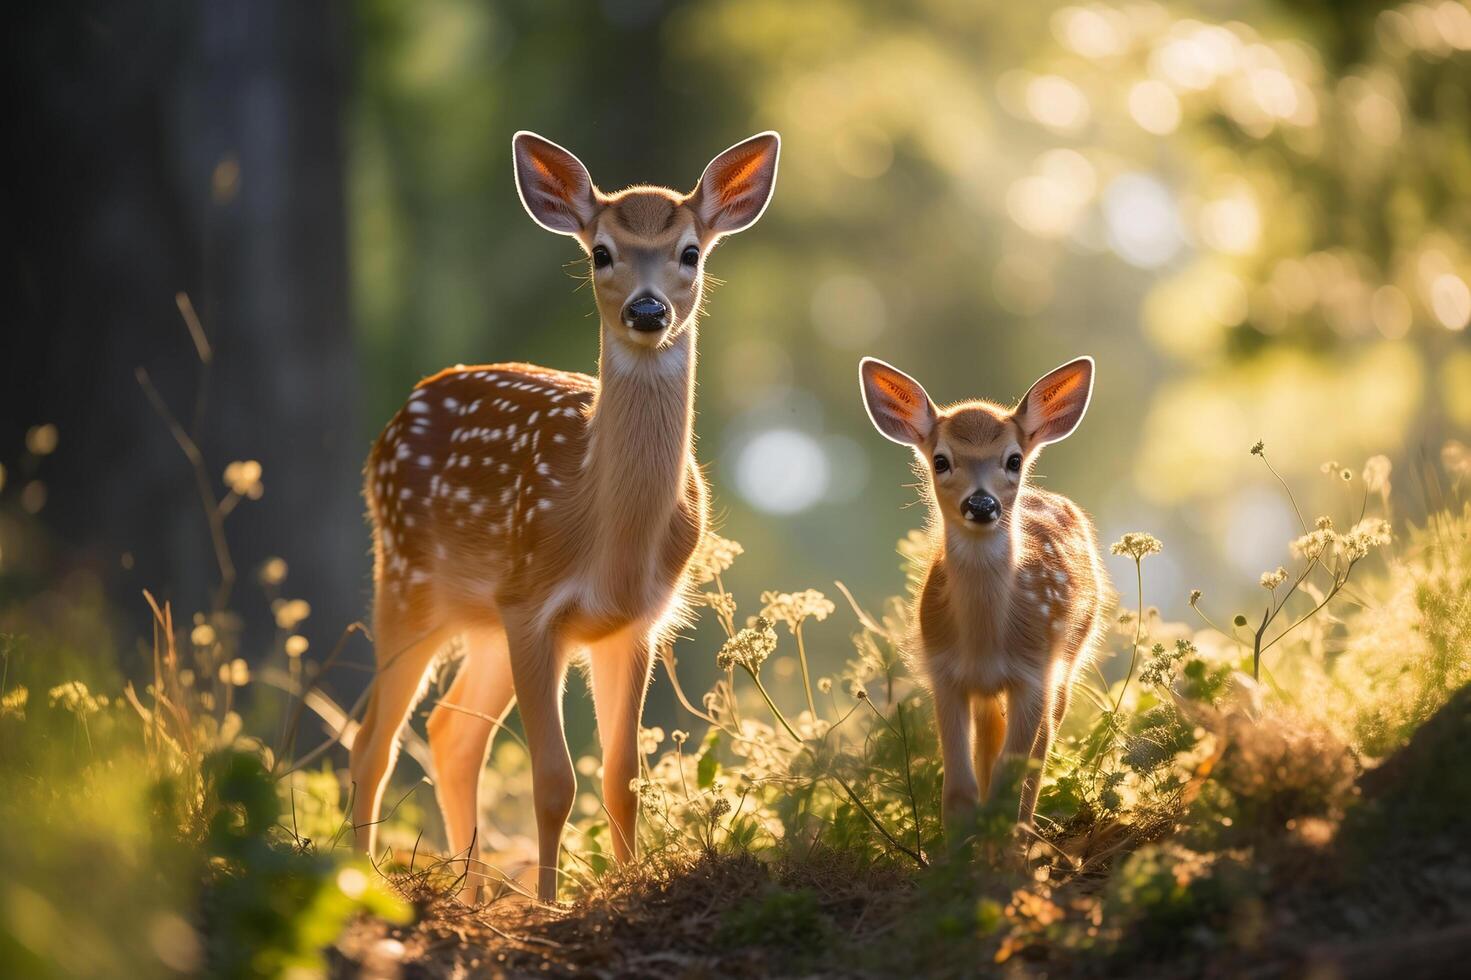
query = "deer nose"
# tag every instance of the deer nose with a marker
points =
(981, 508)
(647, 313)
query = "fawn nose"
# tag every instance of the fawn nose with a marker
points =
(647, 313)
(981, 508)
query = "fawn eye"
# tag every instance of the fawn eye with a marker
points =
(601, 257)
(1014, 462)
(942, 465)
(690, 256)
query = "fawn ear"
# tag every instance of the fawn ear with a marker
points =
(554, 186)
(736, 186)
(1052, 408)
(897, 404)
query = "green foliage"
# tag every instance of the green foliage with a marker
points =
(270, 906)
(122, 861)
(790, 922)
(1167, 898)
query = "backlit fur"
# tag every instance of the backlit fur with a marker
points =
(528, 514)
(1008, 612)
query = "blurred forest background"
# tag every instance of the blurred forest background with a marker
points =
(1255, 214)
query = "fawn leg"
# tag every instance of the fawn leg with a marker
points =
(404, 655)
(538, 669)
(461, 728)
(990, 722)
(1029, 736)
(960, 795)
(620, 677)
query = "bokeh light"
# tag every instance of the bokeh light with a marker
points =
(1143, 223)
(782, 471)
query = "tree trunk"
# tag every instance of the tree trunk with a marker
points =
(197, 148)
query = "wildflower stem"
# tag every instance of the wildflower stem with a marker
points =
(735, 710)
(909, 775)
(212, 515)
(1338, 584)
(667, 656)
(1256, 644)
(775, 711)
(863, 809)
(806, 677)
(1208, 621)
(1288, 490)
(1138, 634)
(679, 761)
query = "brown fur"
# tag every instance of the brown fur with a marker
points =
(1008, 612)
(532, 514)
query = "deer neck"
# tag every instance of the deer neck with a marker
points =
(982, 565)
(640, 432)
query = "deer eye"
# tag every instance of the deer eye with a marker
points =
(942, 465)
(601, 257)
(690, 256)
(1014, 462)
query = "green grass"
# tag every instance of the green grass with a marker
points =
(789, 827)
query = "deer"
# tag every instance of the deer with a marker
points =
(528, 516)
(1012, 599)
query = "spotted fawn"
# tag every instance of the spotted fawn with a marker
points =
(1013, 598)
(533, 514)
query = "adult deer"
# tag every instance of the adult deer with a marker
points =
(1013, 598)
(532, 513)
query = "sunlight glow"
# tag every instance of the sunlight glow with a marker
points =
(1050, 202)
(782, 471)
(1143, 225)
(1231, 223)
(1093, 32)
(1057, 103)
(1450, 300)
(1155, 107)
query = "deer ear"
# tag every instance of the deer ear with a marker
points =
(736, 186)
(897, 404)
(554, 186)
(1052, 408)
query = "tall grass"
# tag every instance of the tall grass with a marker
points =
(150, 831)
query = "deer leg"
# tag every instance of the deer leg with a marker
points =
(461, 728)
(538, 670)
(990, 736)
(620, 678)
(404, 656)
(961, 794)
(1029, 737)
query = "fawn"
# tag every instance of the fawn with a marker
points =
(1013, 598)
(532, 514)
